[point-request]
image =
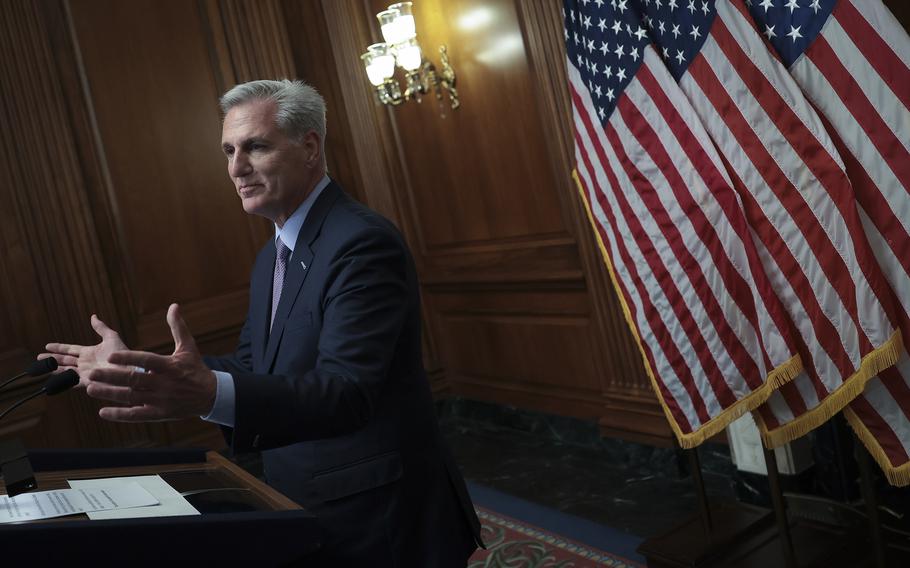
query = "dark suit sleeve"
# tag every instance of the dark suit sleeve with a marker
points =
(365, 304)
(240, 361)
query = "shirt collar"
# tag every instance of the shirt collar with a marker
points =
(292, 226)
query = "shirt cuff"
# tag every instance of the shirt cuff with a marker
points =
(223, 409)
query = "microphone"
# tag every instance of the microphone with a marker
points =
(59, 383)
(54, 385)
(36, 369)
(14, 463)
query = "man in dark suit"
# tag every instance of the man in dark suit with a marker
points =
(327, 380)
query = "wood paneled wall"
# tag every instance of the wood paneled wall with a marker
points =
(118, 202)
(518, 305)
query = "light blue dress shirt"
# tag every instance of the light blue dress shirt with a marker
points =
(223, 409)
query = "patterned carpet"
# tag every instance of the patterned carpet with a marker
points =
(515, 544)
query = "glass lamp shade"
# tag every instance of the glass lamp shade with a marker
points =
(379, 63)
(374, 73)
(407, 29)
(388, 23)
(408, 55)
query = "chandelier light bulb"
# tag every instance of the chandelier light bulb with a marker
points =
(379, 62)
(408, 55)
(388, 23)
(407, 29)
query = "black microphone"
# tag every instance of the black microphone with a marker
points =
(54, 385)
(14, 463)
(36, 369)
(59, 383)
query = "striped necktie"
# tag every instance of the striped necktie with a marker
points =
(281, 266)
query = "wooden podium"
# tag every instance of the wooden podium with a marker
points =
(242, 521)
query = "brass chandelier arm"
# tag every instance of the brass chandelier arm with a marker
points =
(420, 81)
(448, 78)
(389, 93)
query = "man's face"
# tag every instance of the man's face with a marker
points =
(272, 173)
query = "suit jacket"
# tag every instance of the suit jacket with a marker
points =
(336, 398)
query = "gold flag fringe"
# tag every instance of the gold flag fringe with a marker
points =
(778, 376)
(898, 476)
(785, 372)
(871, 365)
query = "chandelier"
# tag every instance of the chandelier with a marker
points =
(401, 49)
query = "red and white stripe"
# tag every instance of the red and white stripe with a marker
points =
(680, 249)
(857, 73)
(797, 199)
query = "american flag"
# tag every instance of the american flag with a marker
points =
(796, 196)
(852, 59)
(714, 337)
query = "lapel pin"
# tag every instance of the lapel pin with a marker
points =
(303, 264)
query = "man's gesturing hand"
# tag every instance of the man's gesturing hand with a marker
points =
(173, 387)
(85, 358)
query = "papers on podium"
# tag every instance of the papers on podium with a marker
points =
(169, 502)
(63, 502)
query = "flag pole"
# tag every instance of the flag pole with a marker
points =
(703, 507)
(780, 508)
(867, 487)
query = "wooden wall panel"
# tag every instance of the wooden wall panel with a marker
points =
(176, 209)
(359, 136)
(519, 305)
(56, 275)
(463, 183)
(321, 73)
(118, 179)
(630, 409)
(256, 39)
(183, 235)
(493, 339)
(511, 69)
(118, 197)
(487, 217)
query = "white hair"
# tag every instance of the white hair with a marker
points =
(300, 107)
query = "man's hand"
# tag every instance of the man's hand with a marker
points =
(173, 387)
(85, 358)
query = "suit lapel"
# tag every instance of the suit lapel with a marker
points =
(298, 268)
(260, 294)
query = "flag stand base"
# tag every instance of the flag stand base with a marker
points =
(689, 545)
(737, 535)
(750, 539)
